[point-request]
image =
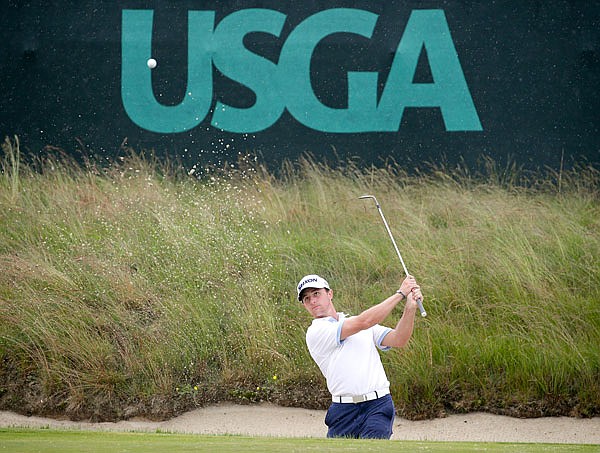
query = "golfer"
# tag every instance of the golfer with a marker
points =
(345, 349)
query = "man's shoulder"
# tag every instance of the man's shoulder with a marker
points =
(328, 320)
(323, 334)
(325, 324)
(322, 322)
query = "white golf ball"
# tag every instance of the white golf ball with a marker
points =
(151, 63)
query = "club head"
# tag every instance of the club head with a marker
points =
(364, 197)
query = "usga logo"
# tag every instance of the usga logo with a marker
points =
(286, 84)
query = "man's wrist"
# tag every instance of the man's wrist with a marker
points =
(401, 293)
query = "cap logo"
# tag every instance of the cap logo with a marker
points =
(308, 280)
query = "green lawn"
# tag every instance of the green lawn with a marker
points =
(47, 441)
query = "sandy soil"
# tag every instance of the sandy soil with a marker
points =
(270, 420)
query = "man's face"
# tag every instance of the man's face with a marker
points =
(318, 302)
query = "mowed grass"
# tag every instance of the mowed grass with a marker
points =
(46, 441)
(133, 288)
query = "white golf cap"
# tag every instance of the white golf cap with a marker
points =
(311, 281)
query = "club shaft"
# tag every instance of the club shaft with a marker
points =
(387, 227)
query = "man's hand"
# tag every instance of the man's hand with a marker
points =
(408, 284)
(412, 297)
(398, 337)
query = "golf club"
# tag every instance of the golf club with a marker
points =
(419, 302)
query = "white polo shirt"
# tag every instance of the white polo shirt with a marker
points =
(352, 366)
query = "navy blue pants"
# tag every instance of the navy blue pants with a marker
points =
(369, 420)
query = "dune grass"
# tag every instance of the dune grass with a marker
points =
(136, 289)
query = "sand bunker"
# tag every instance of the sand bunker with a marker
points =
(270, 420)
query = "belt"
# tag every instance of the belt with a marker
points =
(360, 398)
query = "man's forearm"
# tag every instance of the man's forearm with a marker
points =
(400, 336)
(377, 313)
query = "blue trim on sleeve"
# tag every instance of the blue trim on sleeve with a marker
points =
(380, 340)
(339, 331)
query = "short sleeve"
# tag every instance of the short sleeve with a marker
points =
(379, 333)
(323, 336)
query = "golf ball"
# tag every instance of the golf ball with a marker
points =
(151, 63)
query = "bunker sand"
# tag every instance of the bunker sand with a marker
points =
(270, 420)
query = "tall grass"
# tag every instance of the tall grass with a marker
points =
(136, 289)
